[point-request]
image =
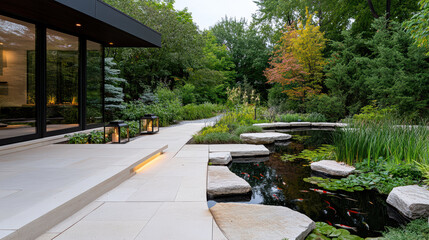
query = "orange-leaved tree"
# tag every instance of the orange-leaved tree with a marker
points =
(297, 60)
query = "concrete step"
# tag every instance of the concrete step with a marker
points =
(46, 210)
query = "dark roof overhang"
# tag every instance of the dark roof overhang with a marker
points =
(99, 21)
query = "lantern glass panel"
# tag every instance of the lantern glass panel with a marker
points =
(156, 125)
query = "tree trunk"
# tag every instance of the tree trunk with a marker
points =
(371, 7)
(388, 6)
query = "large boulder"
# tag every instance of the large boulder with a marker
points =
(412, 201)
(264, 138)
(220, 158)
(260, 222)
(332, 168)
(222, 182)
(240, 150)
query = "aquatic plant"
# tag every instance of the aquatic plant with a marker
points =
(375, 139)
(416, 229)
(325, 152)
(376, 176)
(326, 231)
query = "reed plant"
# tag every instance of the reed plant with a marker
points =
(382, 140)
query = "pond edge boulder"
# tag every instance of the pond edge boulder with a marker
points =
(261, 222)
(332, 168)
(412, 201)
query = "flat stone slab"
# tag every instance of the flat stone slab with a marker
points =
(412, 201)
(332, 168)
(260, 222)
(240, 150)
(264, 138)
(272, 125)
(323, 124)
(300, 124)
(223, 182)
(220, 158)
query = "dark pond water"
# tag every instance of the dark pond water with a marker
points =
(275, 182)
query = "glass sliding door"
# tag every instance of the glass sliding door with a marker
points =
(62, 81)
(94, 73)
(17, 78)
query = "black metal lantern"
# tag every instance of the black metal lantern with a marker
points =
(149, 124)
(113, 130)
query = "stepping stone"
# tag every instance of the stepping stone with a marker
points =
(341, 124)
(412, 201)
(240, 150)
(332, 168)
(264, 138)
(259, 222)
(223, 182)
(272, 125)
(220, 158)
(300, 124)
(323, 124)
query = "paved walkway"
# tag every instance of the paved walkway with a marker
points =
(166, 199)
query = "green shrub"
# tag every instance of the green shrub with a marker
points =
(94, 137)
(218, 128)
(187, 93)
(247, 129)
(297, 117)
(206, 110)
(216, 138)
(331, 107)
(416, 229)
(77, 138)
(374, 113)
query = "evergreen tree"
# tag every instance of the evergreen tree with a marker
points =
(113, 91)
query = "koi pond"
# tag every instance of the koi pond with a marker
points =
(278, 182)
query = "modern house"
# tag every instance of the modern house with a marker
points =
(52, 64)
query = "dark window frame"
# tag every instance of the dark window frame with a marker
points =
(40, 77)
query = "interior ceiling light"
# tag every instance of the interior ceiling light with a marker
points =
(78, 25)
(110, 43)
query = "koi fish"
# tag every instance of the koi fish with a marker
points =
(366, 225)
(245, 174)
(355, 212)
(275, 196)
(279, 188)
(261, 175)
(346, 227)
(332, 209)
(304, 191)
(284, 183)
(321, 191)
(371, 202)
(328, 222)
(328, 203)
(256, 177)
(351, 199)
(298, 200)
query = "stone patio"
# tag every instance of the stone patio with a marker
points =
(167, 193)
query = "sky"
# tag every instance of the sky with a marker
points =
(207, 13)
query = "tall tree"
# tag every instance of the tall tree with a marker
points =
(182, 46)
(298, 61)
(248, 50)
(418, 25)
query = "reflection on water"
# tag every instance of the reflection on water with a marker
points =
(275, 182)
